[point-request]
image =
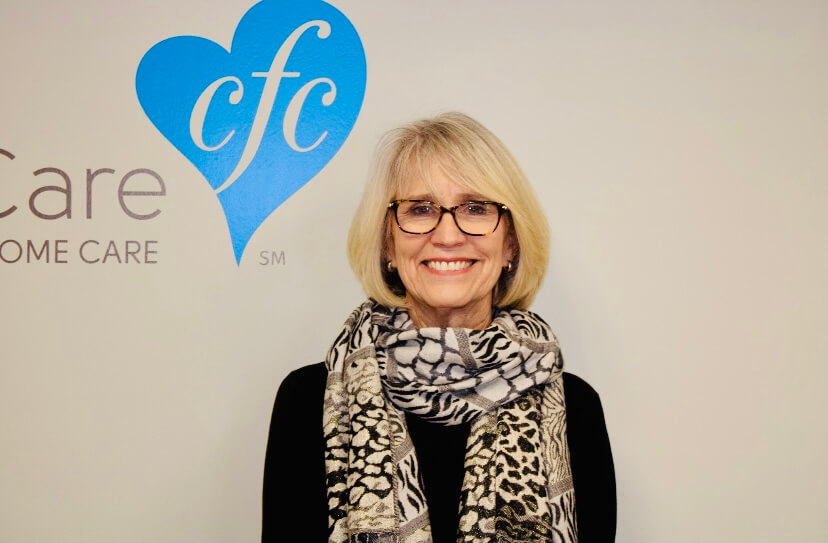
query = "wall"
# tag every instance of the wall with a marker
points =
(678, 148)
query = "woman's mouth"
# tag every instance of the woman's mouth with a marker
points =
(448, 265)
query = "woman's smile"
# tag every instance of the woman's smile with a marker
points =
(449, 266)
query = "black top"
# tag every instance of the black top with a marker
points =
(295, 501)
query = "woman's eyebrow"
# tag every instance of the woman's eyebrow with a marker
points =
(472, 196)
(429, 197)
(462, 198)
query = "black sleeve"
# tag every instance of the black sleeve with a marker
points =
(593, 472)
(294, 501)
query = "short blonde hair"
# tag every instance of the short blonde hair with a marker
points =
(471, 156)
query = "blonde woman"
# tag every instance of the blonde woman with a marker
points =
(442, 412)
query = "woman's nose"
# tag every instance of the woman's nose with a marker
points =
(447, 232)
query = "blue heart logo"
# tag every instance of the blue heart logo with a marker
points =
(261, 120)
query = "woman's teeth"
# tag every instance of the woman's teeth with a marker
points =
(453, 265)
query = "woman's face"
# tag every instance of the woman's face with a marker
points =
(462, 295)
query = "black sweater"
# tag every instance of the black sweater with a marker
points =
(294, 498)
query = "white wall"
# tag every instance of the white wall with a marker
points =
(679, 149)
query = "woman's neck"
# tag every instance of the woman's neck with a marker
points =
(435, 317)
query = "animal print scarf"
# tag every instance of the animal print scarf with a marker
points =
(505, 380)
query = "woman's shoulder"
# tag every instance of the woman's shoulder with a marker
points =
(575, 387)
(307, 375)
(303, 389)
(583, 404)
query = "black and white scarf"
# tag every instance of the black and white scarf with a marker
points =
(505, 380)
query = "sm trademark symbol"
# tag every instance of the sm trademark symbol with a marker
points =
(271, 258)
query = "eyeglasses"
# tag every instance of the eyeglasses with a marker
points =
(475, 218)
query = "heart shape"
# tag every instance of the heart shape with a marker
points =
(261, 120)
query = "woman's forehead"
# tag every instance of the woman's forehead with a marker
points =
(438, 184)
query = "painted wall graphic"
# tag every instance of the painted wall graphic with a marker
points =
(258, 121)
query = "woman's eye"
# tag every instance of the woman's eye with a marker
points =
(475, 208)
(421, 209)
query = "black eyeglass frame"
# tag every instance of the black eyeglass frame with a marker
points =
(394, 205)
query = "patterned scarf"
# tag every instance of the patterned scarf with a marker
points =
(505, 380)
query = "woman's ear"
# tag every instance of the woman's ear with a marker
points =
(388, 249)
(510, 244)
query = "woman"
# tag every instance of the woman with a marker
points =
(441, 413)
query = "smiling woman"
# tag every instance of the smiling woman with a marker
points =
(449, 275)
(442, 412)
